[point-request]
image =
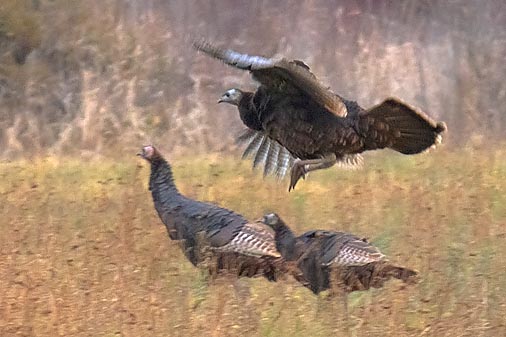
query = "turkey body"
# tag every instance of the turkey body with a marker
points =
(308, 131)
(208, 232)
(328, 258)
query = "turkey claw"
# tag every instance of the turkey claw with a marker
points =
(298, 171)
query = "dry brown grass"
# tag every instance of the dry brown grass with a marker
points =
(83, 253)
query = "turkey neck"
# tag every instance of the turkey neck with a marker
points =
(248, 113)
(161, 180)
(285, 242)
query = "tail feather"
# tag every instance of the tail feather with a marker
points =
(247, 266)
(374, 275)
(404, 274)
(398, 126)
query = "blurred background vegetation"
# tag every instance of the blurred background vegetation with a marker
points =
(101, 77)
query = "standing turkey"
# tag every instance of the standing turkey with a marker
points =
(211, 232)
(291, 112)
(356, 264)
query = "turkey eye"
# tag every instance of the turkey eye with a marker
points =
(227, 94)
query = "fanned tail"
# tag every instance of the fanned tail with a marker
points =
(398, 126)
(269, 267)
(404, 274)
(374, 275)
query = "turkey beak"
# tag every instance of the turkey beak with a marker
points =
(261, 220)
(139, 154)
(224, 99)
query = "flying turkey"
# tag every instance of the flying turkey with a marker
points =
(209, 232)
(292, 110)
(356, 263)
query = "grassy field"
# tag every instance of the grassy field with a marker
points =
(82, 252)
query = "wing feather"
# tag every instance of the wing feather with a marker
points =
(262, 153)
(351, 161)
(265, 151)
(278, 73)
(272, 158)
(254, 239)
(299, 76)
(253, 145)
(233, 58)
(285, 162)
(246, 136)
(346, 249)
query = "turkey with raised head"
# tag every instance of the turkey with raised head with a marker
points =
(327, 258)
(291, 109)
(209, 232)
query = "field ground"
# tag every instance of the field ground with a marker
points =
(82, 252)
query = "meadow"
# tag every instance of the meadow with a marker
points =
(83, 253)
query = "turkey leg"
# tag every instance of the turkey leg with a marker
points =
(301, 167)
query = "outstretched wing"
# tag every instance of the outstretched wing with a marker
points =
(280, 74)
(265, 151)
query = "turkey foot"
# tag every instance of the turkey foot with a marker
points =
(298, 171)
(301, 167)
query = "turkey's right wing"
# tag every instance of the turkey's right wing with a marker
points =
(266, 151)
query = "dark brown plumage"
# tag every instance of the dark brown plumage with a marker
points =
(293, 110)
(216, 237)
(327, 258)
